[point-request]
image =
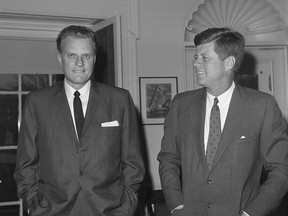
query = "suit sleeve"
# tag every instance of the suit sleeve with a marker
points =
(274, 151)
(27, 157)
(132, 162)
(170, 160)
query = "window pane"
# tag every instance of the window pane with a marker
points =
(11, 210)
(23, 97)
(7, 166)
(57, 78)
(8, 120)
(8, 82)
(32, 82)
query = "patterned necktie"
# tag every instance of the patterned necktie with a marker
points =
(78, 113)
(214, 133)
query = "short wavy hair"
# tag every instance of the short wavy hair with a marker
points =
(227, 43)
(76, 31)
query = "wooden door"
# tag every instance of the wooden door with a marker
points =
(108, 66)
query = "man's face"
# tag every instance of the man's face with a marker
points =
(210, 70)
(77, 60)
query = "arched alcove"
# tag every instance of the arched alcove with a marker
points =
(257, 20)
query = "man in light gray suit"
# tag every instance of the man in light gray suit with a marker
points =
(89, 167)
(201, 176)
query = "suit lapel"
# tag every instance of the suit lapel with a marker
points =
(201, 115)
(62, 104)
(195, 122)
(91, 107)
(234, 116)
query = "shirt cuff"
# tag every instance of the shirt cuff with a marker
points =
(179, 207)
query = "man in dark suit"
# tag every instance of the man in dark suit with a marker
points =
(221, 176)
(65, 168)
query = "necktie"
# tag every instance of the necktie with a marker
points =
(78, 113)
(214, 133)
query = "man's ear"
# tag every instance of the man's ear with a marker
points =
(95, 58)
(59, 59)
(229, 62)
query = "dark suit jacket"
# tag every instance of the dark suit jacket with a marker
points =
(99, 175)
(254, 134)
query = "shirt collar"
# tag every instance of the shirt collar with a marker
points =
(83, 91)
(226, 96)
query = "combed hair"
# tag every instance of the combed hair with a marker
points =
(76, 32)
(227, 43)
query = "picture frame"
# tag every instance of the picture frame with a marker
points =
(156, 94)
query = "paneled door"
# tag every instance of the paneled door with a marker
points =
(265, 68)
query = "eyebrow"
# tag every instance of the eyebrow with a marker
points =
(203, 55)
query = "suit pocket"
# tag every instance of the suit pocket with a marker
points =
(132, 197)
(50, 193)
(245, 149)
(178, 212)
(43, 202)
(110, 129)
(128, 202)
(251, 139)
(38, 204)
(107, 199)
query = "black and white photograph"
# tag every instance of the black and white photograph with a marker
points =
(156, 96)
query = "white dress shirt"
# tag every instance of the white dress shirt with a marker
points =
(223, 104)
(84, 96)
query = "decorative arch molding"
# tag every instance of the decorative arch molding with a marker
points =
(258, 20)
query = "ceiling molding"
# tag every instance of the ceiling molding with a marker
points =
(34, 25)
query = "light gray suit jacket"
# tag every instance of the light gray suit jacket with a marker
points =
(98, 175)
(255, 134)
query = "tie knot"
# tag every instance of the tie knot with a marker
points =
(76, 94)
(216, 101)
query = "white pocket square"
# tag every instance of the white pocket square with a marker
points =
(110, 124)
(242, 137)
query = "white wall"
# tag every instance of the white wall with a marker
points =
(160, 53)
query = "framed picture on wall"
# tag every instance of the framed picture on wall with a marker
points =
(156, 94)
